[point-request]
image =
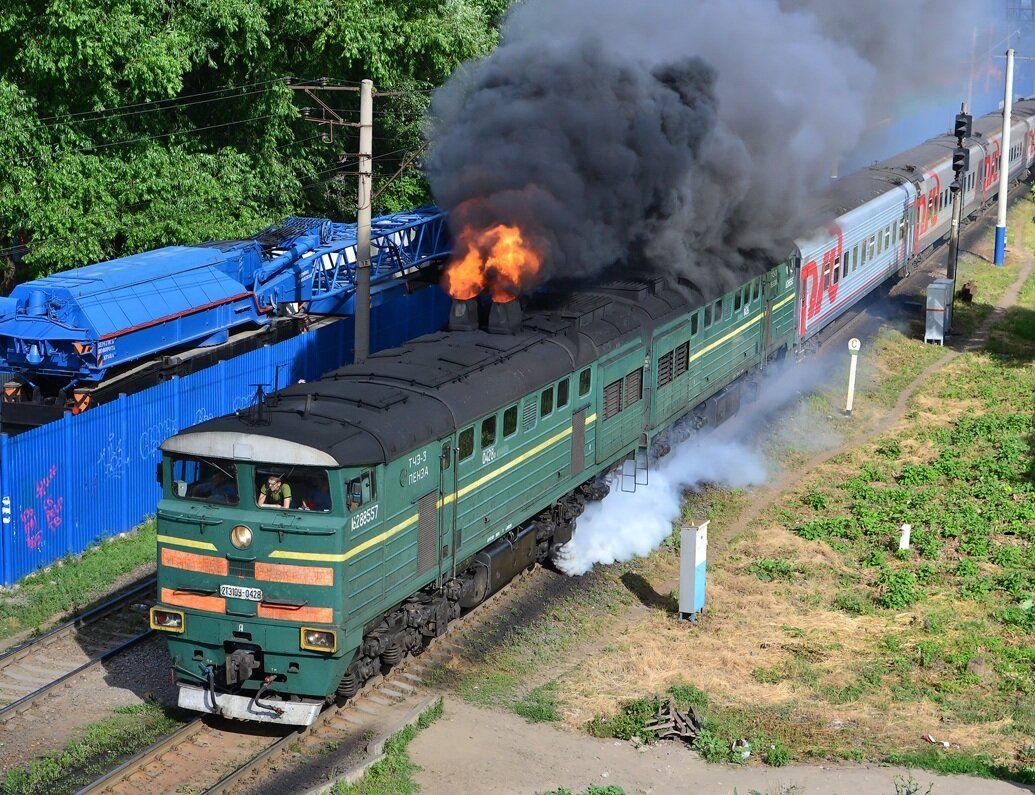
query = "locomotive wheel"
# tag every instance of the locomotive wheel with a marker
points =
(349, 685)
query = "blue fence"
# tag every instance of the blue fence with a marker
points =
(68, 484)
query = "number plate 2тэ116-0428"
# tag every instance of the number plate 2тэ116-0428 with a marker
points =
(237, 592)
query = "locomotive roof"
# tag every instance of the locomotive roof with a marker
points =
(403, 398)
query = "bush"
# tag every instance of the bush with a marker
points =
(777, 754)
(899, 589)
(769, 569)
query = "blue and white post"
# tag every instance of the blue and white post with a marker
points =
(693, 564)
(1004, 164)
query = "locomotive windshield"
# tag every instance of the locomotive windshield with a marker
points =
(205, 479)
(292, 488)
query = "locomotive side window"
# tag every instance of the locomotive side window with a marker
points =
(756, 291)
(466, 443)
(562, 394)
(546, 402)
(205, 479)
(361, 490)
(488, 431)
(510, 422)
(695, 324)
(737, 301)
(585, 379)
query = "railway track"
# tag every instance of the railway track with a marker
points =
(222, 757)
(42, 667)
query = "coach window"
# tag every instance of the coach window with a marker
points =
(466, 443)
(510, 422)
(562, 394)
(836, 275)
(844, 264)
(546, 402)
(585, 381)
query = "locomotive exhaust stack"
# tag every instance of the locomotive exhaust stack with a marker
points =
(463, 315)
(504, 317)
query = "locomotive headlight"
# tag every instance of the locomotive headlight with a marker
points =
(241, 536)
(318, 640)
(166, 620)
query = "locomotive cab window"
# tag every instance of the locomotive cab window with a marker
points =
(488, 431)
(510, 422)
(466, 443)
(205, 479)
(360, 490)
(585, 381)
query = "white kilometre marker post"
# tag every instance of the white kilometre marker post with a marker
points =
(853, 349)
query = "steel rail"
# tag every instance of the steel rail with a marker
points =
(15, 708)
(145, 757)
(85, 619)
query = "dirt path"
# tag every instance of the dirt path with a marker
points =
(472, 749)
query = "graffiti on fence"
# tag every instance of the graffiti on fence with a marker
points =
(154, 435)
(53, 509)
(110, 459)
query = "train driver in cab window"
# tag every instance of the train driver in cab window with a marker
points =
(275, 493)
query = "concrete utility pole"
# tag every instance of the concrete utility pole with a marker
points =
(366, 140)
(1004, 164)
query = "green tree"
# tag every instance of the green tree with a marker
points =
(131, 124)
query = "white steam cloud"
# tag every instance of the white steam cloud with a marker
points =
(626, 524)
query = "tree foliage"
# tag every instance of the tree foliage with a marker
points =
(131, 124)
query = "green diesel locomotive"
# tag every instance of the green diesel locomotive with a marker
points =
(308, 542)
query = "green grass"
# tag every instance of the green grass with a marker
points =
(101, 747)
(393, 775)
(73, 583)
(540, 705)
(508, 663)
(592, 789)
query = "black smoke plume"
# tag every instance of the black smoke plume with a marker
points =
(685, 135)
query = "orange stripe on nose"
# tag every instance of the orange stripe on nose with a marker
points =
(213, 604)
(310, 615)
(300, 575)
(191, 561)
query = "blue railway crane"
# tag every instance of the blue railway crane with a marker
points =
(65, 334)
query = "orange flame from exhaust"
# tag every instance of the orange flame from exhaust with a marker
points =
(498, 259)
